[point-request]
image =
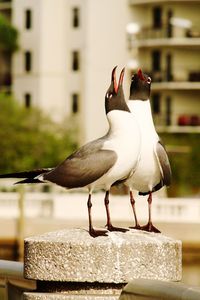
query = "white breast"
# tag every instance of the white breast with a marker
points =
(147, 173)
(124, 139)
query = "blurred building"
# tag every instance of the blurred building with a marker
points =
(67, 51)
(69, 47)
(167, 43)
(5, 57)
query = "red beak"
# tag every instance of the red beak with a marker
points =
(121, 77)
(114, 79)
(140, 74)
(116, 87)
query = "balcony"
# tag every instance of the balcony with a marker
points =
(142, 2)
(168, 32)
(167, 36)
(5, 5)
(177, 129)
(184, 85)
(182, 123)
(179, 80)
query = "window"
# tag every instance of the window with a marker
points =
(157, 17)
(169, 25)
(168, 110)
(156, 60)
(75, 103)
(156, 103)
(27, 98)
(28, 19)
(75, 17)
(75, 61)
(28, 61)
(169, 76)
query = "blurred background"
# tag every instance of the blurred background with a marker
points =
(56, 59)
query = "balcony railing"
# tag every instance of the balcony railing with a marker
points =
(166, 32)
(178, 129)
(179, 122)
(151, 33)
(177, 76)
(5, 5)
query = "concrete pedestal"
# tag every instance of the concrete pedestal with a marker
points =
(72, 262)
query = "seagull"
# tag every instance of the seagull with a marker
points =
(99, 163)
(153, 170)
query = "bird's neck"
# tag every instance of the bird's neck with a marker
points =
(119, 121)
(142, 112)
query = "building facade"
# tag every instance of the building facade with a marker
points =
(67, 51)
(5, 57)
(69, 47)
(167, 43)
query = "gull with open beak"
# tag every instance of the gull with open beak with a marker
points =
(153, 170)
(102, 162)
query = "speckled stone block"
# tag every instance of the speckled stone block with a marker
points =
(72, 255)
(54, 296)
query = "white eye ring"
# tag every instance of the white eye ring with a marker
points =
(109, 96)
(149, 80)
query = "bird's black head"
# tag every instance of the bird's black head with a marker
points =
(114, 98)
(140, 86)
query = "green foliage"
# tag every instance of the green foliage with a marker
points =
(184, 157)
(8, 35)
(29, 140)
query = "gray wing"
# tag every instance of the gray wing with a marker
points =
(83, 167)
(164, 163)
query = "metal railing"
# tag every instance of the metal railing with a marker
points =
(160, 290)
(13, 281)
(11, 269)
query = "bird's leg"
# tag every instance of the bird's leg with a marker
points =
(149, 226)
(109, 224)
(132, 200)
(106, 202)
(92, 231)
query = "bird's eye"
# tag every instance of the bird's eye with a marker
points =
(149, 80)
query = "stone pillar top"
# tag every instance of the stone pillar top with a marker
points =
(72, 255)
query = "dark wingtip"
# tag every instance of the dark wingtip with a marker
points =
(29, 180)
(113, 79)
